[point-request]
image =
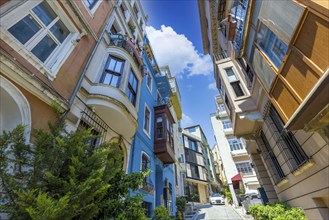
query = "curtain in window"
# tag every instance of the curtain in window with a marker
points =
(281, 17)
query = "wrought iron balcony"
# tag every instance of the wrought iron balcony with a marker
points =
(122, 41)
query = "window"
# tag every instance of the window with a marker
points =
(145, 163)
(91, 3)
(149, 81)
(271, 45)
(195, 171)
(226, 124)
(158, 98)
(170, 137)
(221, 108)
(147, 120)
(132, 88)
(234, 81)
(176, 175)
(192, 144)
(191, 130)
(43, 33)
(159, 128)
(269, 157)
(292, 150)
(235, 144)
(244, 168)
(113, 71)
(99, 128)
(147, 206)
(135, 8)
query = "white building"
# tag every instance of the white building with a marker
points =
(240, 175)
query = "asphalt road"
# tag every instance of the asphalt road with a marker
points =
(217, 212)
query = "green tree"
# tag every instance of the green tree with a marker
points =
(161, 213)
(181, 205)
(64, 176)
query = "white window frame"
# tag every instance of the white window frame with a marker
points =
(225, 122)
(148, 133)
(151, 78)
(237, 80)
(56, 59)
(221, 107)
(235, 144)
(242, 162)
(93, 9)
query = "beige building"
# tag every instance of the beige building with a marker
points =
(219, 168)
(273, 79)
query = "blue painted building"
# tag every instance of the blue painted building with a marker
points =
(152, 147)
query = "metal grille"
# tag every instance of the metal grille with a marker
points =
(269, 158)
(90, 119)
(293, 153)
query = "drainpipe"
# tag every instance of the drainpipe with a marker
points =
(78, 85)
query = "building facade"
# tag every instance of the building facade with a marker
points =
(197, 181)
(241, 177)
(273, 78)
(219, 167)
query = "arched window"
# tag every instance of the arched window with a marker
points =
(14, 108)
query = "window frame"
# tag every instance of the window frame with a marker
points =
(235, 144)
(51, 66)
(226, 120)
(246, 167)
(118, 74)
(131, 89)
(235, 81)
(91, 10)
(147, 131)
(149, 78)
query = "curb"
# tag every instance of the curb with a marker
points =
(242, 217)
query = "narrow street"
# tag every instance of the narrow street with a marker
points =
(217, 212)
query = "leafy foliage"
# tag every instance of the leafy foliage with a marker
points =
(181, 205)
(276, 211)
(64, 176)
(161, 213)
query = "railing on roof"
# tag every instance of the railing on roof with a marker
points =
(122, 41)
(239, 11)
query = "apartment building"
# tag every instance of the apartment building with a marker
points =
(273, 78)
(176, 110)
(197, 179)
(241, 177)
(44, 48)
(219, 167)
(108, 96)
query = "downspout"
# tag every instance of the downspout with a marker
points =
(78, 85)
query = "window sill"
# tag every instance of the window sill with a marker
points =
(147, 133)
(282, 182)
(303, 168)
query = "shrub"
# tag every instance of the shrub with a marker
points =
(276, 211)
(161, 213)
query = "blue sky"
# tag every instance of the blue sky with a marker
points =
(175, 35)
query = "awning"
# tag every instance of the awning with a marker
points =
(237, 177)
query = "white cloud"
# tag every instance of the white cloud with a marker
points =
(212, 86)
(178, 52)
(186, 121)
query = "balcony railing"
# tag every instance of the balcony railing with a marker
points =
(148, 186)
(122, 41)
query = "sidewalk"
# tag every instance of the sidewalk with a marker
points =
(240, 210)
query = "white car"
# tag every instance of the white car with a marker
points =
(216, 199)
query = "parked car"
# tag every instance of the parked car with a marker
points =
(249, 200)
(216, 199)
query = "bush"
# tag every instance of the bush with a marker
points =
(276, 211)
(161, 213)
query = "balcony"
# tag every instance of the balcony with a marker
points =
(175, 98)
(134, 51)
(113, 106)
(148, 186)
(163, 140)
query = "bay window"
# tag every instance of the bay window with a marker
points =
(113, 71)
(132, 88)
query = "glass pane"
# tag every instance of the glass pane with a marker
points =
(45, 13)
(118, 67)
(111, 64)
(114, 81)
(107, 79)
(44, 48)
(25, 29)
(60, 31)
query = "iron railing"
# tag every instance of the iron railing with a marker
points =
(120, 40)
